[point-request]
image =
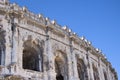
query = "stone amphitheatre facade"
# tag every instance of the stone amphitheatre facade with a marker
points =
(34, 48)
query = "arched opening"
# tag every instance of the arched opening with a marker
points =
(95, 73)
(61, 67)
(81, 68)
(58, 67)
(105, 76)
(59, 77)
(32, 56)
(30, 59)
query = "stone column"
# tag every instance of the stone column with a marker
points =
(49, 71)
(10, 57)
(14, 44)
(71, 60)
(88, 65)
(7, 57)
(69, 63)
(100, 70)
(75, 72)
(40, 63)
(45, 61)
(108, 72)
(90, 68)
(20, 54)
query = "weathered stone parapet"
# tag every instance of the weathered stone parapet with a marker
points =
(36, 20)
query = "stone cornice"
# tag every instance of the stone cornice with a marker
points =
(42, 21)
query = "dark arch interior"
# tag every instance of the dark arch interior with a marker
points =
(59, 77)
(105, 76)
(81, 69)
(32, 56)
(95, 73)
(30, 59)
(58, 69)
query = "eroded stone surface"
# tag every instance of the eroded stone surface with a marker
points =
(34, 48)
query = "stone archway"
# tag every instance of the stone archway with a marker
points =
(30, 59)
(32, 56)
(95, 73)
(58, 68)
(81, 68)
(61, 66)
(105, 76)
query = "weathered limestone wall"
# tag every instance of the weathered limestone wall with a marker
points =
(53, 52)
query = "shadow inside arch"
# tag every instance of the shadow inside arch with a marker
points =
(59, 77)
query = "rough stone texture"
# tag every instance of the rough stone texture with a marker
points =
(34, 48)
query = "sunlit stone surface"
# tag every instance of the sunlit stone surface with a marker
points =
(34, 48)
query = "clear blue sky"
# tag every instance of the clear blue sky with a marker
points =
(97, 20)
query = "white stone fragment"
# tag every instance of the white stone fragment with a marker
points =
(70, 30)
(47, 19)
(64, 28)
(74, 33)
(97, 49)
(86, 40)
(53, 22)
(82, 38)
(24, 8)
(89, 42)
(39, 15)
